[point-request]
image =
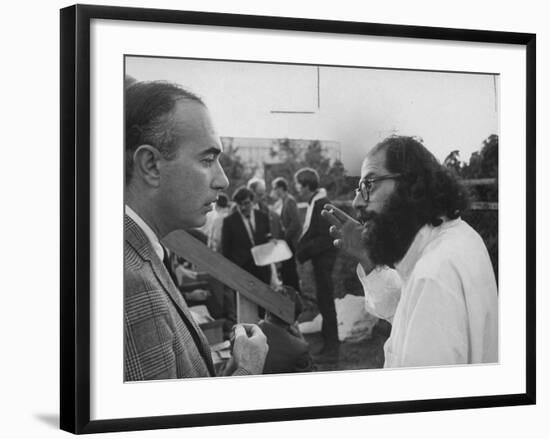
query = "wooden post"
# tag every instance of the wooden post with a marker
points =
(247, 311)
(230, 274)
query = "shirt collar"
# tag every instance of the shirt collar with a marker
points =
(147, 230)
(244, 216)
(421, 240)
(317, 195)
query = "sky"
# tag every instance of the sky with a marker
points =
(356, 107)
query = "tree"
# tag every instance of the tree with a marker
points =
(237, 173)
(293, 156)
(484, 163)
(452, 162)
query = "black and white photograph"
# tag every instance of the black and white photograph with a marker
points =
(275, 219)
(284, 218)
(272, 219)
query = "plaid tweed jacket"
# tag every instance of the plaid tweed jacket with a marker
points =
(161, 340)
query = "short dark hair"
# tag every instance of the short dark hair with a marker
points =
(148, 111)
(430, 189)
(242, 193)
(307, 177)
(280, 182)
(222, 200)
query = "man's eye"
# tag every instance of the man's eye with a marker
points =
(208, 160)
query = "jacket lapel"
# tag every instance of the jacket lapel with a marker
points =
(137, 239)
(257, 225)
(164, 278)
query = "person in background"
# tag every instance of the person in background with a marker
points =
(315, 245)
(258, 188)
(291, 230)
(172, 177)
(221, 210)
(409, 206)
(243, 229)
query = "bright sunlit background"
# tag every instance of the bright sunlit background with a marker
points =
(353, 107)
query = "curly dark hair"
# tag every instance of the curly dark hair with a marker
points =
(241, 194)
(429, 188)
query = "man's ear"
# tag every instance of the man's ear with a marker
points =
(146, 164)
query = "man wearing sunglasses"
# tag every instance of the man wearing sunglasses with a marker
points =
(443, 305)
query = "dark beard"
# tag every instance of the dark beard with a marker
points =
(389, 234)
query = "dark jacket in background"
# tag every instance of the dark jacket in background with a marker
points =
(292, 228)
(317, 245)
(316, 240)
(236, 243)
(290, 220)
(275, 225)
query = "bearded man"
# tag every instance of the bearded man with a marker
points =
(445, 301)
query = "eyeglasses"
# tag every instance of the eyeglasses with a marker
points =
(366, 185)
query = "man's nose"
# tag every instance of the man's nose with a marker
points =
(220, 181)
(358, 201)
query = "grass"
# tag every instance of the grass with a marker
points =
(366, 354)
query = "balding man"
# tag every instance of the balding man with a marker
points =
(172, 178)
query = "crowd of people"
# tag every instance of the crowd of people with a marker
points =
(442, 308)
(254, 217)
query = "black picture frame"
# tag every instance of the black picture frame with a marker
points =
(75, 217)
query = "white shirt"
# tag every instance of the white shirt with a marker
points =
(382, 291)
(448, 309)
(215, 232)
(247, 223)
(147, 230)
(207, 227)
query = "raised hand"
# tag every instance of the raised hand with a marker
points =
(347, 233)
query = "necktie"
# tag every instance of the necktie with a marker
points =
(167, 263)
(252, 231)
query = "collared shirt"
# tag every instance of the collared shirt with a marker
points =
(248, 221)
(151, 236)
(215, 232)
(447, 312)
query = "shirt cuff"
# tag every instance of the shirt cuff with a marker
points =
(382, 288)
